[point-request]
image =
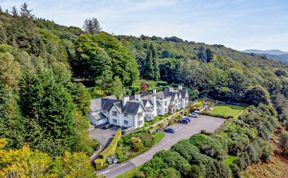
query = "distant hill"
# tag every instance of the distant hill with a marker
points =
(272, 54)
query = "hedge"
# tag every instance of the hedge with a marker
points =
(218, 115)
(99, 163)
(111, 149)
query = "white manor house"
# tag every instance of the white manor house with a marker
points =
(133, 111)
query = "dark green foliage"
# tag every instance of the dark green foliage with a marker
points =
(44, 109)
(186, 149)
(49, 105)
(102, 57)
(11, 126)
(213, 70)
(206, 154)
(174, 160)
(266, 152)
(208, 146)
(151, 66)
(283, 143)
(170, 172)
(256, 96)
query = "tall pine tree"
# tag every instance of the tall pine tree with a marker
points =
(156, 73)
(151, 71)
(148, 72)
(48, 107)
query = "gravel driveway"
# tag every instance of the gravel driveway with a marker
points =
(101, 135)
(207, 123)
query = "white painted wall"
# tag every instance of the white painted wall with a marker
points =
(164, 104)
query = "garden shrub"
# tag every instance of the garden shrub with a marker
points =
(208, 146)
(170, 172)
(266, 152)
(100, 163)
(137, 145)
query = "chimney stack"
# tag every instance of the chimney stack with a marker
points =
(154, 91)
(138, 97)
(180, 87)
(125, 99)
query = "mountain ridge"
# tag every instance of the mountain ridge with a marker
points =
(275, 54)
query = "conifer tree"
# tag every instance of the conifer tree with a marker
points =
(25, 12)
(156, 73)
(14, 11)
(148, 72)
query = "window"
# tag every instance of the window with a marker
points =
(125, 115)
(166, 103)
(140, 114)
(140, 123)
(166, 109)
(114, 121)
(125, 122)
(114, 113)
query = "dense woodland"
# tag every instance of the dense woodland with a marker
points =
(42, 106)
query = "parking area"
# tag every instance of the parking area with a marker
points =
(182, 131)
(102, 135)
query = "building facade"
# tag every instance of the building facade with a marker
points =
(133, 111)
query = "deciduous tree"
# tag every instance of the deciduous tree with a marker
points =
(117, 88)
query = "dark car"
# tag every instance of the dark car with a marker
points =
(184, 121)
(187, 118)
(169, 130)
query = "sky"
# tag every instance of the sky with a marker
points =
(238, 24)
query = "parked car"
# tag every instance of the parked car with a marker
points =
(169, 130)
(188, 119)
(106, 126)
(184, 121)
(193, 115)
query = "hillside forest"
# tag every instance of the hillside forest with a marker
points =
(49, 73)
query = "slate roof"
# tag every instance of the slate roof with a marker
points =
(119, 105)
(145, 101)
(183, 93)
(131, 107)
(107, 103)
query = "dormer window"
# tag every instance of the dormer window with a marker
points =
(114, 113)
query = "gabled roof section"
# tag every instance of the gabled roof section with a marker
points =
(119, 106)
(132, 107)
(146, 101)
(183, 93)
(107, 103)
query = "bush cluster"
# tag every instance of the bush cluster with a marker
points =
(239, 143)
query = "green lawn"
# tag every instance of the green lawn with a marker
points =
(227, 110)
(129, 174)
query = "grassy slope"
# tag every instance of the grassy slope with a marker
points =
(227, 110)
(277, 168)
